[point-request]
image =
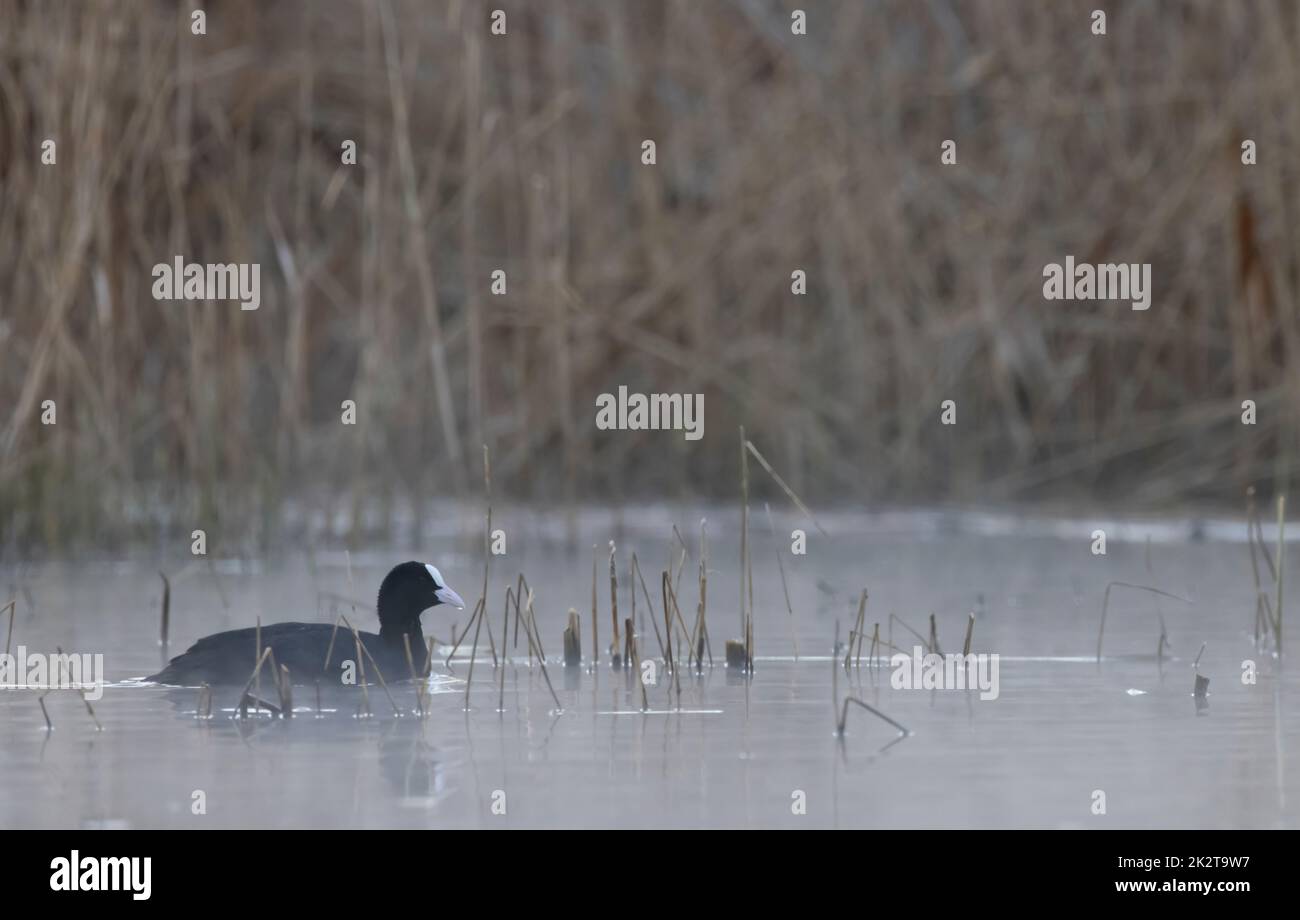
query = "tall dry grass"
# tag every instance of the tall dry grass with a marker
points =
(775, 153)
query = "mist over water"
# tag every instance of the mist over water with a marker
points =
(737, 752)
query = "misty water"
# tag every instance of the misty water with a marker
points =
(731, 751)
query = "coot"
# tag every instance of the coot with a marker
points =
(228, 657)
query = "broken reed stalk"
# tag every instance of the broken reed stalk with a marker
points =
(615, 658)
(703, 638)
(473, 654)
(537, 634)
(204, 708)
(844, 717)
(934, 636)
(286, 693)
(362, 650)
(740, 653)
(749, 609)
(80, 690)
(428, 659)
(516, 595)
(530, 628)
(361, 674)
(1281, 566)
(492, 645)
(747, 575)
(267, 656)
(1253, 520)
(166, 610)
(423, 689)
(734, 650)
(970, 628)
(410, 659)
(521, 585)
(410, 666)
(257, 655)
(667, 589)
(1200, 686)
(505, 626)
(49, 726)
(275, 668)
(636, 664)
(487, 550)
(636, 567)
(668, 620)
(785, 588)
(696, 636)
(744, 529)
(677, 611)
(261, 704)
(11, 607)
(479, 608)
(749, 645)
(573, 640)
(781, 482)
(681, 561)
(924, 641)
(595, 647)
(257, 669)
(1255, 539)
(879, 645)
(1105, 604)
(1254, 560)
(856, 633)
(835, 675)
(329, 651)
(473, 620)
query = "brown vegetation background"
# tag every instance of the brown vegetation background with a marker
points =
(522, 152)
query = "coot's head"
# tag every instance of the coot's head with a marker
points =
(407, 591)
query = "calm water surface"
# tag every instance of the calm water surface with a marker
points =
(733, 752)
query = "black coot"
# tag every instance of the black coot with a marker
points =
(228, 657)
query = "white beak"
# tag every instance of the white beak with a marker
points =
(448, 596)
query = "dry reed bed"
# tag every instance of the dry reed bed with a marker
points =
(476, 153)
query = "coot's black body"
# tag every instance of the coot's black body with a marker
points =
(228, 657)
